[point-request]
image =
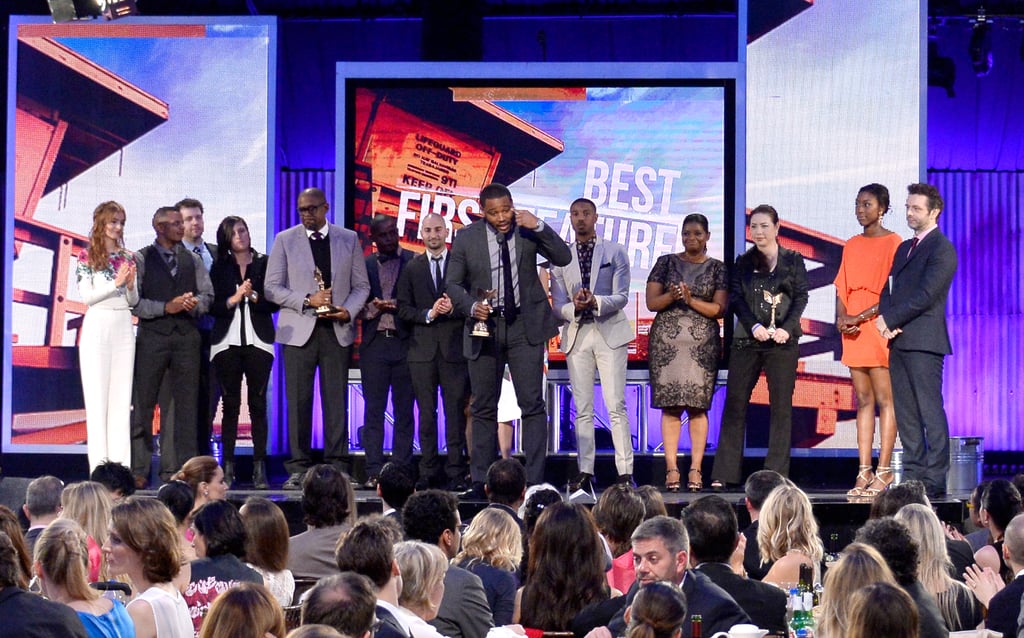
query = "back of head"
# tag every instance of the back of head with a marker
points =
(10, 525)
(889, 501)
(266, 534)
(428, 514)
(786, 523)
(179, 499)
(654, 504)
(713, 529)
(858, 566)
(1013, 539)
(658, 611)
(893, 541)
(539, 498)
(760, 484)
(196, 470)
(423, 566)
(1002, 501)
(42, 496)
(344, 601)
(933, 557)
(327, 497)
(369, 549)
(671, 532)
(88, 503)
(493, 537)
(617, 513)
(117, 478)
(222, 529)
(245, 610)
(62, 551)
(317, 631)
(396, 484)
(146, 527)
(506, 482)
(11, 574)
(882, 609)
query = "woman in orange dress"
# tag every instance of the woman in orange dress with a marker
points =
(867, 259)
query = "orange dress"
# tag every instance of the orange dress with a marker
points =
(862, 274)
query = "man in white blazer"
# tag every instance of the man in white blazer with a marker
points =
(313, 340)
(590, 294)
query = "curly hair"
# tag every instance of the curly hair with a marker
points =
(658, 611)
(493, 537)
(858, 566)
(428, 514)
(893, 541)
(562, 577)
(146, 527)
(101, 216)
(786, 523)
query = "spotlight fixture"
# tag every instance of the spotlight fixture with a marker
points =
(980, 45)
(114, 9)
(69, 10)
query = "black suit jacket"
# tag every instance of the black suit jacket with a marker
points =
(469, 270)
(27, 615)
(373, 274)
(718, 610)
(1004, 608)
(416, 295)
(752, 555)
(389, 626)
(226, 278)
(764, 603)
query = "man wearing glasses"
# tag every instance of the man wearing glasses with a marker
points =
(317, 275)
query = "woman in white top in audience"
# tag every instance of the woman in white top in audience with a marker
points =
(422, 567)
(266, 546)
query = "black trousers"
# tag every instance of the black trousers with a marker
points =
(383, 368)
(745, 366)
(453, 379)
(322, 352)
(508, 344)
(920, 416)
(255, 365)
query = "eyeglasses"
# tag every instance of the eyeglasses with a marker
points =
(309, 210)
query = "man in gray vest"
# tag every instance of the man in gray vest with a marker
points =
(174, 291)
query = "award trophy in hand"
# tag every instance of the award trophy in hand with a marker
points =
(773, 301)
(325, 309)
(480, 328)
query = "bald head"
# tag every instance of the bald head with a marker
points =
(1013, 542)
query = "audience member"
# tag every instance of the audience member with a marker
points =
(980, 536)
(654, 504)
(423, 567)
(788, 536)
(315, 631)
(1000, 502)
(658, 611)
(220, 547)
(143, 545)
(505, 487)
(893, 541)
(62, 566)
(432, 516)
(329, 508)
(42, 506)
(206, 478)
(756, 489)
(10, 525)
(179, 499)
(369, 549)
(882, 609)
(538, 497)
(714, 534)
(618, 512)
(26, 615)
(247, 610)
(858, 566)
(394, 487)
(117, 478)
(88, 503)
(492, 548)
(345, 602)
(266, 546)
(1003, 602)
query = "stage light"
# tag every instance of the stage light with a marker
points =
(68, 10)
(980, 46)
(941, 70)
(112, 10)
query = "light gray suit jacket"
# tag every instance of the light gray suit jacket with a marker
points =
(290, 279)
(609, 281)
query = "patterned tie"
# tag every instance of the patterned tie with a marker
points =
(172, 264)
(506, 272)
(438, 277)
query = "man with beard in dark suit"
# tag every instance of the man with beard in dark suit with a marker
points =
(435, 356)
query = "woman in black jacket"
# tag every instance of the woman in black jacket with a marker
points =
(768, 293)
(243, 340)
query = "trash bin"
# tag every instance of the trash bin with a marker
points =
(966, 457)
(897, 466)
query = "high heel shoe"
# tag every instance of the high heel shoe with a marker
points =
(672, 486)
(864, 478)
(871, 489)
(695, 486)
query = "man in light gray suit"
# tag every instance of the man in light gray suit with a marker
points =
(499, 252)
(315, 326)
(590, 294)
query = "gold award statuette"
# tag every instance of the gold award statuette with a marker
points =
(325, 309)
(480, 328)
(774, 301)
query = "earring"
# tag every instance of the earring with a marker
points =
(206, 493)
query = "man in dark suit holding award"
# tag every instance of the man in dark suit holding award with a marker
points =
(435, 355)
(912, 316)
(499, 253)
(317, 275)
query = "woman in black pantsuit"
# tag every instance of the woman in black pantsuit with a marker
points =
(243, 340)
(764, 277)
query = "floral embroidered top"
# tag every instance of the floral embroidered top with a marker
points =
(97, 286)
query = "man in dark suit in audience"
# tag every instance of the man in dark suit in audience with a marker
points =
(344, 601)
(42, 506)
(394, 488)
(369, 549)
(714, 534)
(1004, 608)
(757, 488)
(506, 488)
(435, 356)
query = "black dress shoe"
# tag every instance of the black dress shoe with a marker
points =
(371, 483)
(458, 485)
(625, 479)
(583, 481)
(294, 481)
(259, 475)
(475, 493)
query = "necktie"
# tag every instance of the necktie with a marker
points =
(317, 235)
(506, 273)
(438, 277)
(913, 245)
(172, 264)
(197, 250)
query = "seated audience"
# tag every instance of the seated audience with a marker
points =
(882, 609)
(654, 504)
(859, 565)
(492, 548)
(618, 512)
(247, 610)
(394, 487)
(980, 536)
(329, 508)
(62, 566)
(117, 478)
(714, 534)
(756, 489)
(505, 487)
(177, 497)
(266, 546)
(346, 602)
(1000, 502)
(1003, 602)
(42, 506)
(422, 567)
(658, 611)
(315, 631)
(10, 525)
(537, 498)
(27, 615)
(88, 504)
(143, 545)
(369, 549)
(787, 535)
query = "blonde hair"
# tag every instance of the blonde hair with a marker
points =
(88, 503)
(493, 537)
(859, 565)
(787, 523)
(933, 563)
(422, 566)
(247, 610)
(62, 552)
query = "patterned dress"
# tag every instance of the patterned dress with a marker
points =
(684, 345)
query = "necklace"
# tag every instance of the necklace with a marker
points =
(700, 259)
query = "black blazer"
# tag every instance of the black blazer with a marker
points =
(226, 278)
(373, 274)
(792, 276)
(764, 603)
(1004, 608)
(416, 294)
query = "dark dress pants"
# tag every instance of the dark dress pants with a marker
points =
(745, 366)
(383, 367)
(301, 363)
(255, 365)
(508, 344)
(453, 378)
(920, 416)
